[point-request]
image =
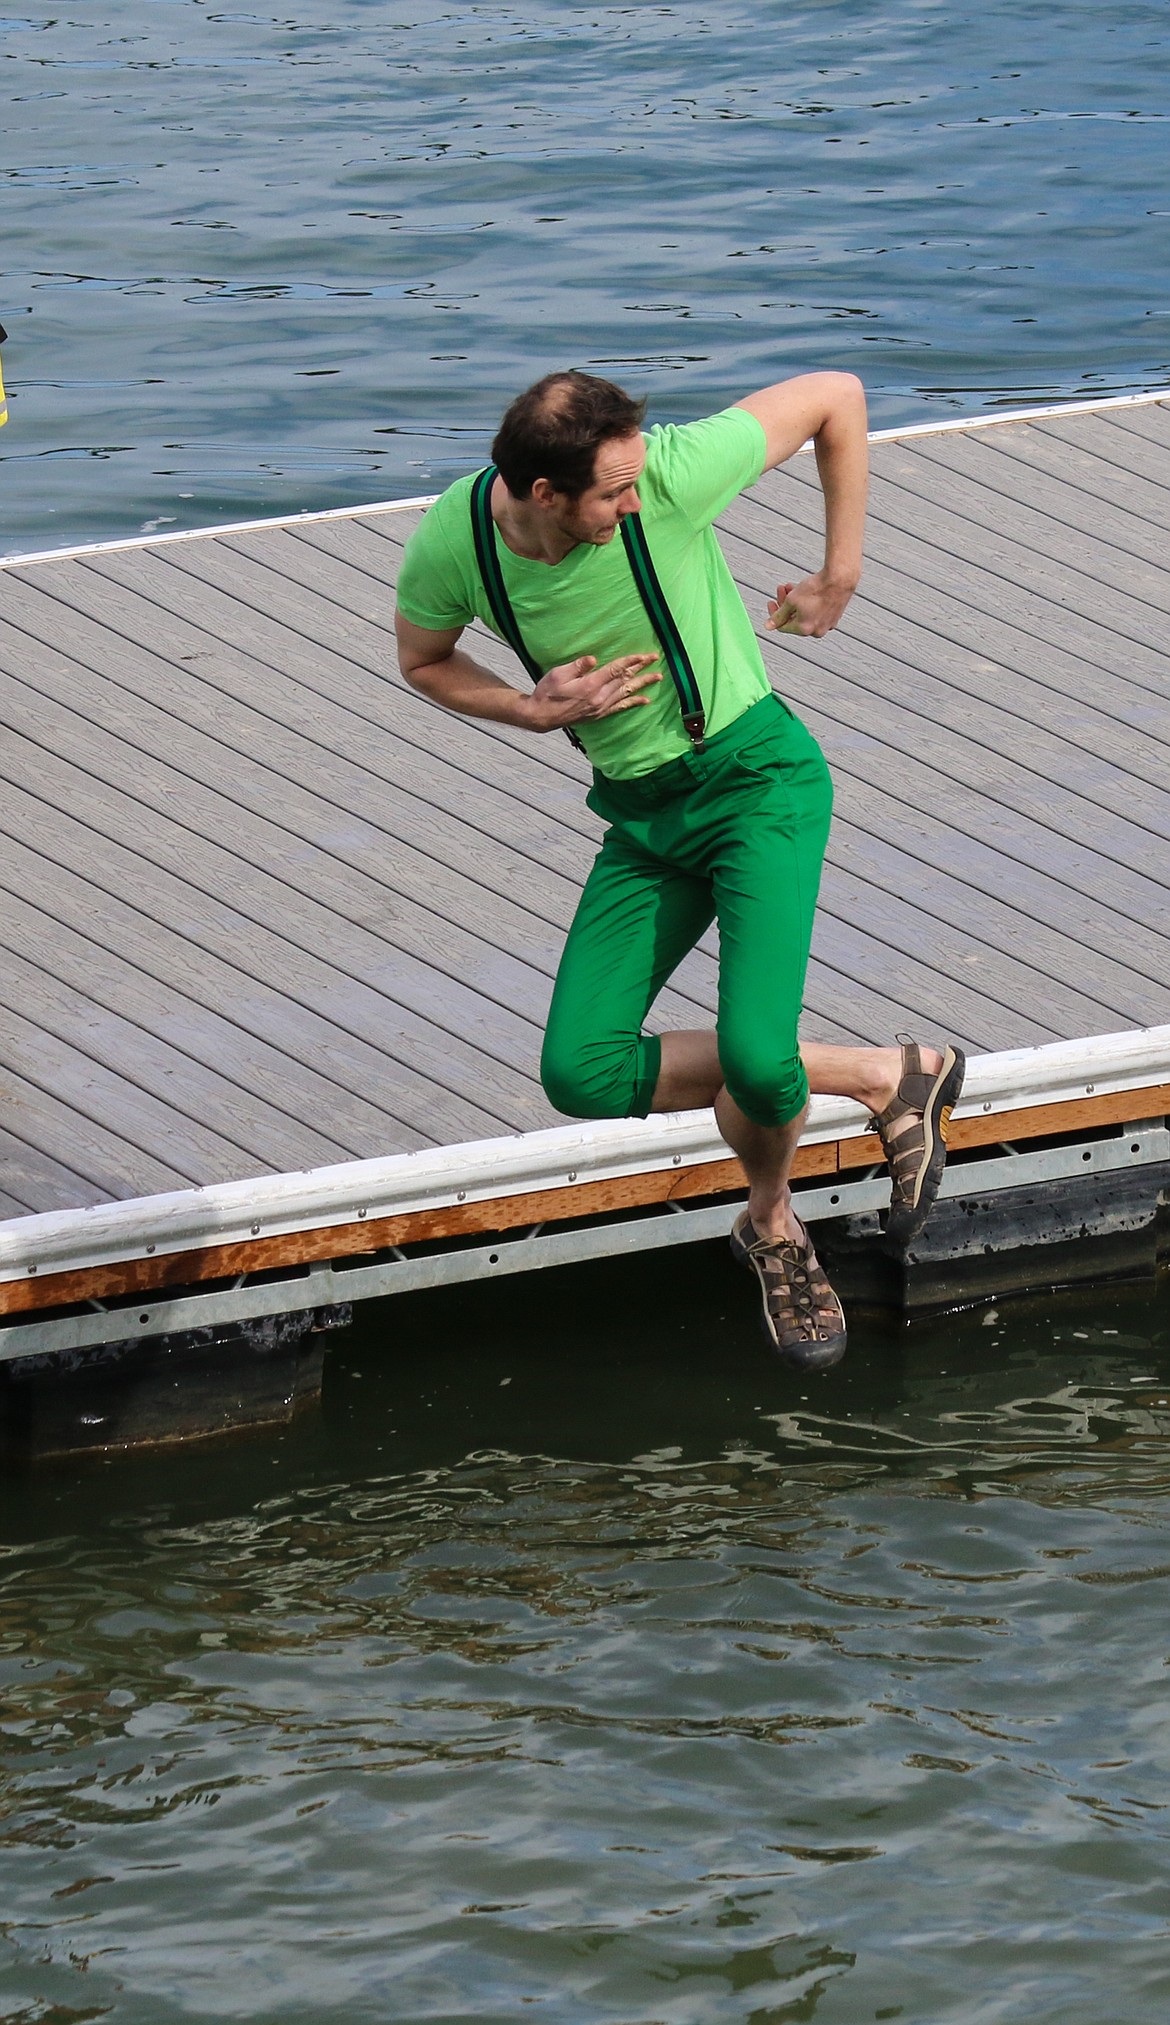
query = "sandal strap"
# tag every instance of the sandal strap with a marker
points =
(912, 1093)
(913, 1132)
(799, 1300)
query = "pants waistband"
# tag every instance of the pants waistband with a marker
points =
(676, 776)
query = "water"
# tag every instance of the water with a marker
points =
(256, 263)
(596, 1669)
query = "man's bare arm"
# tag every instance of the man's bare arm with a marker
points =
(434, 663)
(576, 693)
(829, 408)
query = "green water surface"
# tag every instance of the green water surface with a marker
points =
(580, 1663)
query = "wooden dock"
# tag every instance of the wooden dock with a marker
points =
(268, 910)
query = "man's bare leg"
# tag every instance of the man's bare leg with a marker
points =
(690, 1078)
(766, 1152)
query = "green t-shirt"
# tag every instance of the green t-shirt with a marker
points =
(589, 604)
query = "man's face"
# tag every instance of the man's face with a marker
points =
(596, 514)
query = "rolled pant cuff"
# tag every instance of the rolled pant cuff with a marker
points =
(650, 1069)
(773, 1116)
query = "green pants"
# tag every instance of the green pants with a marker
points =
(735, 834)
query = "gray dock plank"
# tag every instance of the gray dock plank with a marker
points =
(1046, 605)
(1150, 422)
(1072, 465)
(274, 995)
(835, 994)
(353, 570)
(523, 825)
(1024, 534)
(266, 1081)
(114, 1133)
(397, 525)
(534, 774)
(419, 1061)
(306, 732)
(952, 881)
(986, 668)
(287, 1006)
(977, 729)
(275, 775)
(267, 906)
(367, 552)
(540, 801)
(33, 1181)
(1058, 604)
(511, 1001)
(940, 1005)
(344, 864)
(883, 727)
(1118, 537)
(1127, 450)
(247, 591)
(214, 1118)
(912, 928)
(980, 844)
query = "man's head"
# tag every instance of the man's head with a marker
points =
(572, 445)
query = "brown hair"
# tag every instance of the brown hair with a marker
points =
(556, 428)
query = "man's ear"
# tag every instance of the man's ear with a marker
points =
(543, 493)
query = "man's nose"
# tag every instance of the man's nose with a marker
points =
(629, 502)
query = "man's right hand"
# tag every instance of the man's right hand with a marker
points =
(580, 691)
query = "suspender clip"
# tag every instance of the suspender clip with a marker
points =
(695, 726)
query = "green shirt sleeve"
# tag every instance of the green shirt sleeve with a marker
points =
(433, 590)
(702, 466)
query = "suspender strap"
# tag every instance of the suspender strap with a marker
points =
(649, 589)
(487, 556)
(661, 617)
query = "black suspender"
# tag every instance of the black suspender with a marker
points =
(487, 555)
(670, 639)
(649, 589)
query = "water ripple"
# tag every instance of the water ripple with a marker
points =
(425, 212)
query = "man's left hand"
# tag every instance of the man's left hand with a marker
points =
(811, 608)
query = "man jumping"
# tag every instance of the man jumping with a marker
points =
(717, 799)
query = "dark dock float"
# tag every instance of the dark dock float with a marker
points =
(279, 936)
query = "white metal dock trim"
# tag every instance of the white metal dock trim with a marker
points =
(87, 548)
(1052, 411)
(353, 1192)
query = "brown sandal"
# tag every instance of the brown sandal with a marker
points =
(803, 1318)
(913, 1132)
